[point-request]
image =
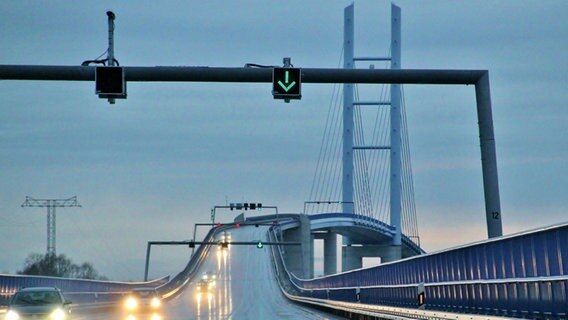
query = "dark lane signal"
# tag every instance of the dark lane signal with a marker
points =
(287, 83)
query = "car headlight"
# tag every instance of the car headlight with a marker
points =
(12, 315)
(57, 314)
(155, 303)
(156, 317)
(131, 303)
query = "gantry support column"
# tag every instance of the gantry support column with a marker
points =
(488, 157)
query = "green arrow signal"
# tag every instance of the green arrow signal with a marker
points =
(285, 85)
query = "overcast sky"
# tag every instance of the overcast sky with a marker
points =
(149, 167)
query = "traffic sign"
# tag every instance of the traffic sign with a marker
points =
(287, 83)
(109, 82)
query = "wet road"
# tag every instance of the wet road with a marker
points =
(245, 288)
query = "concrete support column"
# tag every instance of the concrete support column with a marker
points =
(329, 253)
(300, 259)
(353, 255)
(348, 124)
(396, 132)
(350, 259)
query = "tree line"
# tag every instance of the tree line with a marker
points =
(58, 266)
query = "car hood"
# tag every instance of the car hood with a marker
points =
(43, 309)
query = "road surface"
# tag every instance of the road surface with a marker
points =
(245, 288)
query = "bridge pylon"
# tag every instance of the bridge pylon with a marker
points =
(352, 257)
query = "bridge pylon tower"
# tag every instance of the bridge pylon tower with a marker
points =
(395, 146)
(51, 204)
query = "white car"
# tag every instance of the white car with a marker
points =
(41, 303)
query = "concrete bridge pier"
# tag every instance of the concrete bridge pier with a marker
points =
(300, 259)
(352, 256)
(329, 251)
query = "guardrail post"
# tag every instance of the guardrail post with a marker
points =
(421, 296)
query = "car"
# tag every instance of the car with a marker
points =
(204, 286)
(207, 282)
(143, 299)
(226, 237)
(209, 276)
(38, 303)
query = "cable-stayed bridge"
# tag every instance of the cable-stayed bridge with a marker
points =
(363, 191)
(518, 276)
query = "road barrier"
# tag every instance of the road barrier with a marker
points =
(522, 275)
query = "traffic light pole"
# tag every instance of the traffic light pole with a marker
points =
(479, 78)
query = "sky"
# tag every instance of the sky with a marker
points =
(150, 166)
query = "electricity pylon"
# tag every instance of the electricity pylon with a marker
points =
(51, 204)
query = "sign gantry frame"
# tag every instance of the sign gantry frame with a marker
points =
(478, 78)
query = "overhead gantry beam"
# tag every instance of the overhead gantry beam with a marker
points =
(258, 75)
(479, 78)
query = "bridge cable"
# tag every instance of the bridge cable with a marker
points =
(336, 175)
(358, 139)
(413, 221)
(381, 186)
(323, 163)
(331, 185)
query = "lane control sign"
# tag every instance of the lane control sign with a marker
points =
(287, 83)
(110, 83)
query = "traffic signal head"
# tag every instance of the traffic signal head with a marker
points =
(259, 244)
(238, 225)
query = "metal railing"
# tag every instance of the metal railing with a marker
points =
(81, 291)
(523, 275)
(76, 290)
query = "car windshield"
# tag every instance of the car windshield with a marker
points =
(144, 293)
(37, 298)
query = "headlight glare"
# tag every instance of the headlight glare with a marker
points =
(12, 315)
(131, 303)
(156, 303)
(57, 314)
